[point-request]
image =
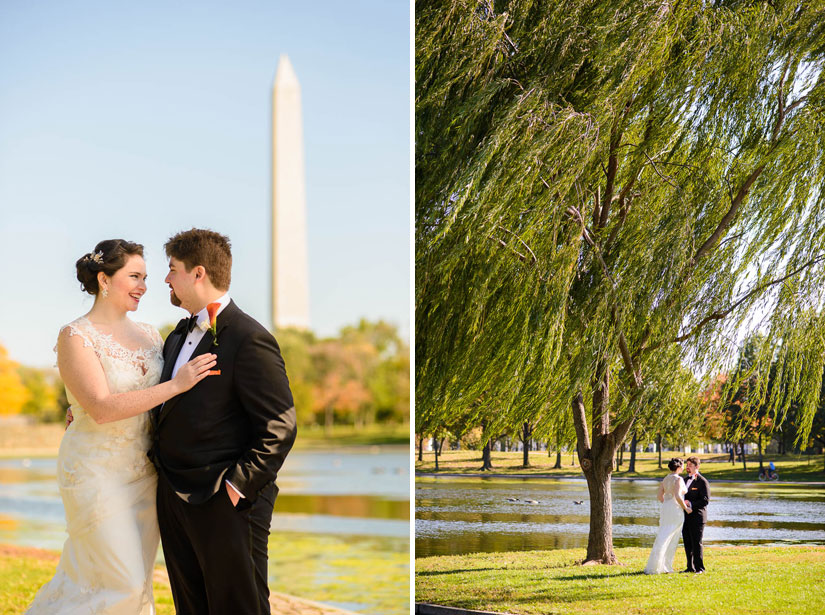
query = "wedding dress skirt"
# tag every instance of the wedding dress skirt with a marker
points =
(108, 487)
(671, 518)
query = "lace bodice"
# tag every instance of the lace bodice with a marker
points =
(126, 370)
(674, 486)
(104, 345)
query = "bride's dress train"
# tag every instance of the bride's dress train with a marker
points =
(671, 518)
(108, 487)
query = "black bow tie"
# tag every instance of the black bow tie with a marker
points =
(192, 321)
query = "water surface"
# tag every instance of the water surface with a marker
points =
(339, 516)
(461, 515)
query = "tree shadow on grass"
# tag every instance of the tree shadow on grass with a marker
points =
(636, 573)
(435, 573)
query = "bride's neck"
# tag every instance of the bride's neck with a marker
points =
(106, 314)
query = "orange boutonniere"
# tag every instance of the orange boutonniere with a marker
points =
(212, 310)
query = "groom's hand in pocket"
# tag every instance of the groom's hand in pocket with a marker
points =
(233, 496)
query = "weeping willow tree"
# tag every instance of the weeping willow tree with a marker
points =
(608, 192)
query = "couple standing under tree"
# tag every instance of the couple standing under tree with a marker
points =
(684, 508)
(179, 441)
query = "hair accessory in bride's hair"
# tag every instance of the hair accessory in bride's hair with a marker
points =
(96, 257)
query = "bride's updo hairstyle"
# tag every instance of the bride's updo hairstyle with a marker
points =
(675, 464)
(108, 256)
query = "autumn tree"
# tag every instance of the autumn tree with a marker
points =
(13, 394)
(46, 398)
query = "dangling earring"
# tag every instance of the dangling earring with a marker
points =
(105, 293)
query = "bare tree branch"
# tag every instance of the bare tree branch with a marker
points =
(711, 241)
(655, 168)
(580, 423)
(535, 260)
(503, 243)
(720, 314)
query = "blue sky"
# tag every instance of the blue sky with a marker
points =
(137, 120)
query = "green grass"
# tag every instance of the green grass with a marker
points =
(347, 435)
(372, 572)
(790, 467)
(21, 577)
(742, 580)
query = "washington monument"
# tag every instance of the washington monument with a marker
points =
(290, 283)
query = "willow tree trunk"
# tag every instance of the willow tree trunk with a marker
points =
(526, 432)
(596, 459)
(742, 448)
(759, 443)
(437, 444)
(558, 461)
(633, 442)
(659, 448)
(486, 457)
(421, 448)
(600, 535)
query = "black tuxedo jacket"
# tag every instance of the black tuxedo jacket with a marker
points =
(237, 426)
(698, 495)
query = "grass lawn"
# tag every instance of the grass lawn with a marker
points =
(372, 572)
(348, 435)
(790, 467)
(23, 571)
(743, 580)
(365, 570)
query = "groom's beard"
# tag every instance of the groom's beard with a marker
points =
(174, 299)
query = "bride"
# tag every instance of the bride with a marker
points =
(111, 366)
(672, 495)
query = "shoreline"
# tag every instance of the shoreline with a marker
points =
(612, 478)
(391, 447)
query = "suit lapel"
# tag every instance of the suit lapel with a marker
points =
(174, 341)
(205, 345)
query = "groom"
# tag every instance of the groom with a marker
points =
(218, 447)
(698, 494)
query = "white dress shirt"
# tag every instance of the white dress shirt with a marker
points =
(191, 342)
(194, 337)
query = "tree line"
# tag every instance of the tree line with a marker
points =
(359, 377)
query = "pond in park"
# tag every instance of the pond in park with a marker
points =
(470, 515)
(340, 516)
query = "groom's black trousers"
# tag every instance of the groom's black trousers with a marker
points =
(216, 555)
(692, 531)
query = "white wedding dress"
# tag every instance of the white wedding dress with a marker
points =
(671, 518)
(108, 488)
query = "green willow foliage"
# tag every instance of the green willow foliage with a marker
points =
(597, 173)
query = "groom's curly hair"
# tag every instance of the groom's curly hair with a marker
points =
(203, 247)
